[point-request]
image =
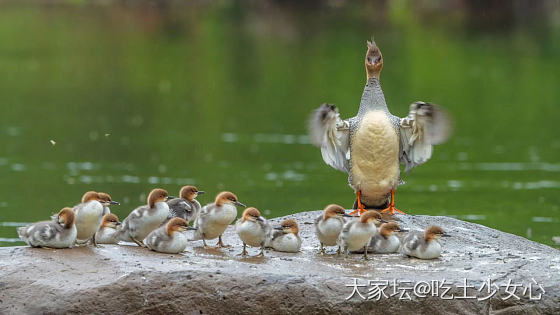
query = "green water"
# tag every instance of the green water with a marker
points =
(217, 96)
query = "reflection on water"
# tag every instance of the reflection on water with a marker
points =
(126, 98)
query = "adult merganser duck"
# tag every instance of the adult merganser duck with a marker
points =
(371, 145)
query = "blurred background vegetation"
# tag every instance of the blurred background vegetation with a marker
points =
(124, 96)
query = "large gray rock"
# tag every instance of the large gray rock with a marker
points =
(129, 279)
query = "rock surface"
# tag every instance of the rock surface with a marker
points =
(129, 279)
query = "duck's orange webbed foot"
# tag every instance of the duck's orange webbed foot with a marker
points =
(391, 208)
(361, 208)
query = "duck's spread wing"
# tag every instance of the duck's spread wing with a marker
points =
(330, 133)
(426, 125)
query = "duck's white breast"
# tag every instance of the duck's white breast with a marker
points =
(64, 239)
(88, 219)
(250, 233)
(375, 157)
(225, 215)
(329, 230)
(177, 244)
(150, 221)
(106, 235)
(389, 245)
(433, 250)
(359, 236)
(287, 243)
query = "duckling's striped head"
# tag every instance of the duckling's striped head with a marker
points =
(105, 198)
(333, 210)
(227, 197)
(110, 220)
(251, 214)
(290, 226)
(434, 232)
(177, 225)
(66, 217)
(389, 228)
(89, 196)
(157, 195)
(189, 192)
(371, 216)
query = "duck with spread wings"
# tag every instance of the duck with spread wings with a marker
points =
(371, 146)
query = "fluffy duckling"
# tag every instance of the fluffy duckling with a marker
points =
(144, 219)
(186, 206)
(169, 238)
(253, 230)
(286, 238)
(106, 200)
(424, 246)
(89, 214)
(329, 225)
(356, 234)
(385, 241)
(108, 233)
(58, 233)
(215, 217)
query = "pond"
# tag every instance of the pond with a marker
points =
(123, 99)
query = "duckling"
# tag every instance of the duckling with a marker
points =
(108, 233)
(106, 201)
(60, 232)
(215, 217)
(144, 219)
(329, 225)
(89, 214)
(252, 229)
(356, 234)
(371, 146)
(169, 238)
(286, 237)
(186, 206)
(385, 241)
(424, 246)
